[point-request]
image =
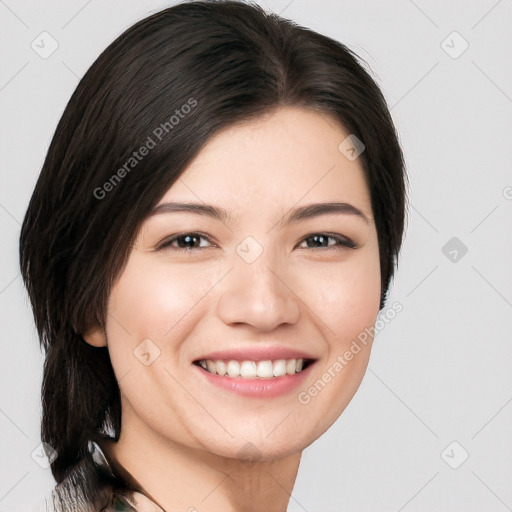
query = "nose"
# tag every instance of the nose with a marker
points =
(258, 294)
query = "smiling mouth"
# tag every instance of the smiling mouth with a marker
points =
(246, 369)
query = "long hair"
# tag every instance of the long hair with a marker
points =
(168, 84)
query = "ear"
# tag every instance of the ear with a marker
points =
(96, 337)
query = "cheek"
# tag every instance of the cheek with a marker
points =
(346, 295)
(154, 300)
(151, 299)
(348, 305)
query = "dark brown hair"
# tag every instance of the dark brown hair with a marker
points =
(188, 71)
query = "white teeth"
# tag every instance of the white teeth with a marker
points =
(221, 367)
(248, 370)
(291, 364)
(279, 368)
(233, 368)
(251, 369)
(211, 366)
(264, 369)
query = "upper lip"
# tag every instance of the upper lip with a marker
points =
(260, 353)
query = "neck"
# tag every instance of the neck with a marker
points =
(178, 477)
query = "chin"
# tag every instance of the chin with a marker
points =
(256, 446)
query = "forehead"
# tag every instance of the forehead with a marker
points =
(274, 162)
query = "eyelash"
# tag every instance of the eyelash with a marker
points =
(342, 243)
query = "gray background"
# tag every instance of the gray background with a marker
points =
(439, 383)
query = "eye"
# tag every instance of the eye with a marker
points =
(323, 238)
(186, 242)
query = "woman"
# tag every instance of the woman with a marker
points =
(216, 223)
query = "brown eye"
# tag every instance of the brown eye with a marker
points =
(186, 242)
(321, 241)
(191, 242)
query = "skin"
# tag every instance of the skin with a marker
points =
(182, 439)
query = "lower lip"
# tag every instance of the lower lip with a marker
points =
(263, 388)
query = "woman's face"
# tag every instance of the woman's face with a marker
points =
(259, 284)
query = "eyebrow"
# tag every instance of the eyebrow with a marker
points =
(295, 215)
